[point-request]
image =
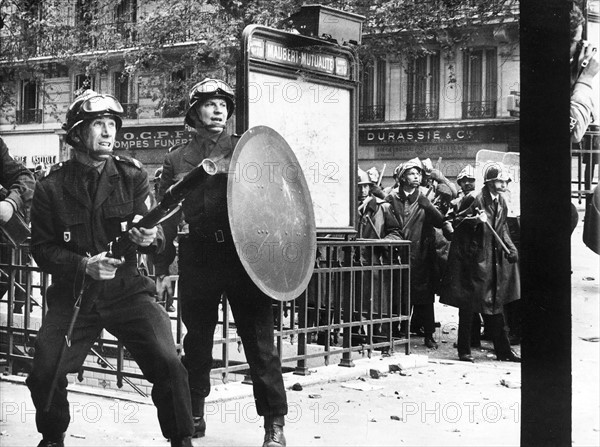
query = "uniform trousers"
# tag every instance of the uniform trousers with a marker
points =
(493, 323)
(127, 309)
(208, 269)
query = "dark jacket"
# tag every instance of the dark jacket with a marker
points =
(418, 218)
(17, 179)
(205, 207)
(478, 275)
(379, 212)
(67, 226)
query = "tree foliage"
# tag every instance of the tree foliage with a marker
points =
(197, 38)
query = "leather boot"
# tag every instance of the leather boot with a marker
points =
(274, 436)
(183, 442)
(52, 442)
(198, 413)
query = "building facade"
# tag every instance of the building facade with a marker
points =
(39, 89)
(446, 103)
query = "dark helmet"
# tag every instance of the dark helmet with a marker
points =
(91, 105)
(497, 171)
(468, 172)
(210, 88)
(412, 163)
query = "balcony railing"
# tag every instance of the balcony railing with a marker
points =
(29, 116)
(429, 111)
(369, 114)
(479, 109)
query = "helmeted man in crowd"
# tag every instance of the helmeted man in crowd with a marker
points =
(418, 219)
(210, 266)
(466, 181)
(78, 209)
(376, 220)
(466, 185)
(482, 275)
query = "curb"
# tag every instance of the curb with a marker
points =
(239, 390)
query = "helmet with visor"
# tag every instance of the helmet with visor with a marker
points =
(91, 105)
(206, 89)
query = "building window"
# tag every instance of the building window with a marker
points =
(29, 111)
(125, 16)
(423, 89)
(480, 83)
(83, 82)
(373, 92)
(123, 94)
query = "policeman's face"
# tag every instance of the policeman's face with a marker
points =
(467, 184)
(412, 177)
(213, 113)
(98, 137)
(365, 190)
(498, 186)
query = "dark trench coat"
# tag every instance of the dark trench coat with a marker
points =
(478, 275)
(418, 219)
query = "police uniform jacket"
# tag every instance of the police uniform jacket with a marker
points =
(478, 275)
(205, 208)
(67, 225)
(418, 219)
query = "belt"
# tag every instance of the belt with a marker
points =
(218, 237)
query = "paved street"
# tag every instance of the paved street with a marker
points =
(434, 400)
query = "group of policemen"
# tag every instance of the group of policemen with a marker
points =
(461, 248)
(80, 207)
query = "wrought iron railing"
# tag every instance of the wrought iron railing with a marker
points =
(355, 304)
(370, 114)
(479, 109)
(29, 116)
(585, 156)
(427, 111)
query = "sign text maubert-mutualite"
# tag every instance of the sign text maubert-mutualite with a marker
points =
(307, 58)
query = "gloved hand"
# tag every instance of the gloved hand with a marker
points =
(437, 175)
(6, 211)
(512, 257)
(424, 202)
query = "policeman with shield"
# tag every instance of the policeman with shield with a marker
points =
(210, 266)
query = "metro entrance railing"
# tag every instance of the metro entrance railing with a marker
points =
(357, 303)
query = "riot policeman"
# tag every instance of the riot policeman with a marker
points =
(209, 266)
(418, 217)
(78, 209)
(482, 276)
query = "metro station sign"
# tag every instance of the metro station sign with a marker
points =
(318, 61)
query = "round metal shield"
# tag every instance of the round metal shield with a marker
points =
(271, 214)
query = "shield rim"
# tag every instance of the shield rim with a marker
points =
(310, 259)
